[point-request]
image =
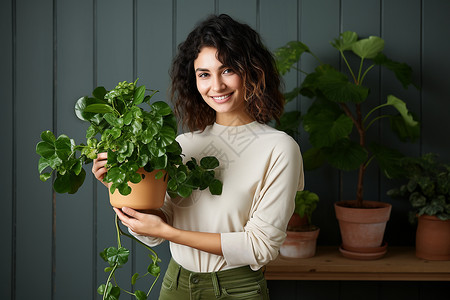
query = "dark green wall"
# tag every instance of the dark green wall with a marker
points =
(54, 51)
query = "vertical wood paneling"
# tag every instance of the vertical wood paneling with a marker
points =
(243, 11)
(44, 69)
(6, 150)
(154, 56)
(435, 79)
(188, 14)
(34, 85)
(318, 25)
(114, 63)
(74, 226)
(402, 43)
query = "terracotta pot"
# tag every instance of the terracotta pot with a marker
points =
(300, 244)
(296, 221)
(362, 227)
(147, 194)
(433, 238)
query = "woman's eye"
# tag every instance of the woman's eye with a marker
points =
(227, 71)
(202, 75)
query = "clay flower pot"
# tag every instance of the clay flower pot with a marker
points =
(147, 194)
(362, 227)
(433, 238)
(300, 244)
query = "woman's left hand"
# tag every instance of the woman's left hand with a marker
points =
(141, 223)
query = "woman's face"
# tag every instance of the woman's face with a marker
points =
(221, 88)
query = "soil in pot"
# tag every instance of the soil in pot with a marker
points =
(362, 227)
(146, 195)
(300, 242)
(433, 238)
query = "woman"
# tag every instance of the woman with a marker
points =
(226, 88)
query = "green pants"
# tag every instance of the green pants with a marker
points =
(238, 283)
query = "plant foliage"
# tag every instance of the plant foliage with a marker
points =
(427, 188)
(133, 138)
(306, 204)
(337, 113)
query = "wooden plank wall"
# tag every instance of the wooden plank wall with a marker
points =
(54, 51)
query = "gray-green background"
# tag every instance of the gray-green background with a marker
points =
(54, 51)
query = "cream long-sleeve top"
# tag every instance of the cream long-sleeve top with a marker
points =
(261, 170)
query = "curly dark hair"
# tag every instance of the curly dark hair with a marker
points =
(240, 48)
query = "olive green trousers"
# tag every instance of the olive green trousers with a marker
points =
(238, 283)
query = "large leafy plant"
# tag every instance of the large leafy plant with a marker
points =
(427, 187)
(341, 114)
(134, 138)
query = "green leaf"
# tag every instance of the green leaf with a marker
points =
(345, 41)
(113, 120)
(117, 256)
(99, 108)
(45, 176)
(139, 94)
(134, 278)
(48, 136)
(288, 55)
(154, 269)
(184, 191)
(161, 108)
(336, 87)
(403, 110)
(99, 92)
(402, 71)
(215, 187)
(45, 149)
(326, 128)
(388, 160)
(160, 162)
(209, 162)
(69, 182)
(140, 295)
(63, 146)
(166, 136)
(345, 155)
(369, 47)
(313, 158)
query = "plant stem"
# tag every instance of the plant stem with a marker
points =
(154, 281)
(348, 66)
(109, 279)
(365, 73)
(359, 72)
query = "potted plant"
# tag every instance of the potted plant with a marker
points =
(341, 117)
(141, 148)
(301, 233)
(428, 190)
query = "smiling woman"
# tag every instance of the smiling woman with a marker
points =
(225, 88)
(221, 88)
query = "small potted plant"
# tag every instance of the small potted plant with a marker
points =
(141, 149)
(302, 235)
(428, 190)
(339, 121)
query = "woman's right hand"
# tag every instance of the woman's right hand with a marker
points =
(99, 169)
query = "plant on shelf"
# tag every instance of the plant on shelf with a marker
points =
(342, 106)
(427, 187)
(305, 205)
(134, 139)
(428, 190)
(302, 235)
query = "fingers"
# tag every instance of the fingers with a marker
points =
(98, 167)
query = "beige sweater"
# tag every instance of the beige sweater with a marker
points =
(261, 170)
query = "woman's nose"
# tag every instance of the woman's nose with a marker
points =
(218, 84)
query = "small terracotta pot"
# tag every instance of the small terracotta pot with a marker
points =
(148, 194)
(362, 227)
(300, 244)
(433, 238)
(296, 221)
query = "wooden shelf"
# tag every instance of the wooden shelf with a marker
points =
(399, 264)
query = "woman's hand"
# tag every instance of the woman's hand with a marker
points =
(99, 169)
(142, 223)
